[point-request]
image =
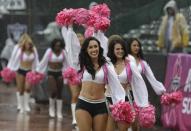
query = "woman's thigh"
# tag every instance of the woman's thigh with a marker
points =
(100, 122)
(111, 124)
(52, 86)
(20, 80)
(84, 120)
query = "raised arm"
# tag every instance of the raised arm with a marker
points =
(66, 61)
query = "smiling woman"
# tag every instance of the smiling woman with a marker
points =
(91, 103)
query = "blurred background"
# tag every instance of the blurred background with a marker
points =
(137, 18)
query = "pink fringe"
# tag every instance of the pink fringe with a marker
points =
(122, 111)
(65, 17)
(92, 18)
(81, 16)
(146, 116)
(172, 98)
(102, 10)
(8, 75)
(102, 23)
(34, 78)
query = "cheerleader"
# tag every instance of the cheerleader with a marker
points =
(91, 110)
(73, 46)
(134, 48)
(54, 61)
(24, 59)
(128, 76)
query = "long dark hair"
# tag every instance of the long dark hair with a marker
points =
(128, 47)
(111, 54)
(85, 60)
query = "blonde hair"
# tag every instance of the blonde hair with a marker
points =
(24, 40)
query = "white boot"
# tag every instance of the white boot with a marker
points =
(130, 129)
(51, 107)
(22, 109)
(73, 107)
(26, 102)
(18, 100)
(59, 109)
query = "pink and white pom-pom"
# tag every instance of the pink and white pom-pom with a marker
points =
(89, 32)
(71, 75)
(146, 116)
(65, 17)
(8, 75)
(102, 23)
(172, 98)
(102, 10)
(81, 16)
(34, 78)
(122, 112)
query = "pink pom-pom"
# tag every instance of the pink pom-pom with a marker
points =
(176, 97)
(8, 75)
(92, 18)
(89, 32)
(65, 17)
(122, 112)
(102, 23)
(165, 99)
(71, 75)
(81, 16)
(74, 81)
(172, 98)
(34, 78)
(146, 116)
(102, 10)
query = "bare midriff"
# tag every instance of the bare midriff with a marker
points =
(92, 90)
(26, 64)
(55, 65)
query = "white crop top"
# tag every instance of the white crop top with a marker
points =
(123, 76)
(99, 76)
(50, 56)
(18, 56)
(27, 57)
(54, 58)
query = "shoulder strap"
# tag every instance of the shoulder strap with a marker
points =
(128, 71)
(105, 70)
(143, 66)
